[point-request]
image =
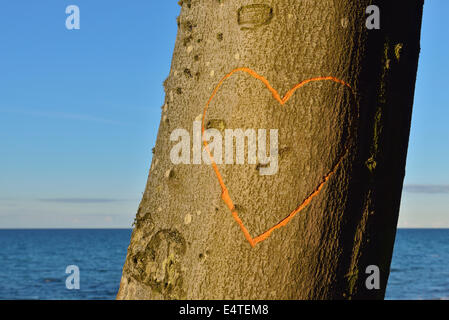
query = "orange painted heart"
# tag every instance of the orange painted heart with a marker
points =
(225, 193)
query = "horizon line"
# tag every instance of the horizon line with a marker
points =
(131, 228)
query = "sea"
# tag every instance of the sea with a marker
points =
(33, 264)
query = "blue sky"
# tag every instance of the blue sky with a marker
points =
(80, 109)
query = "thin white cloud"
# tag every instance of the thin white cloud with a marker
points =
(61, 115)
(426, 188)
(82, 200)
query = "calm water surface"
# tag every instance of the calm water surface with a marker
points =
(33, 263)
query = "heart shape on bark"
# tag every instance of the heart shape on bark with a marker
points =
(282, 100)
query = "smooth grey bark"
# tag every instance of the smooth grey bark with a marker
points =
(186, 244)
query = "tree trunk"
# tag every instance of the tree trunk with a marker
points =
(310, 230)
